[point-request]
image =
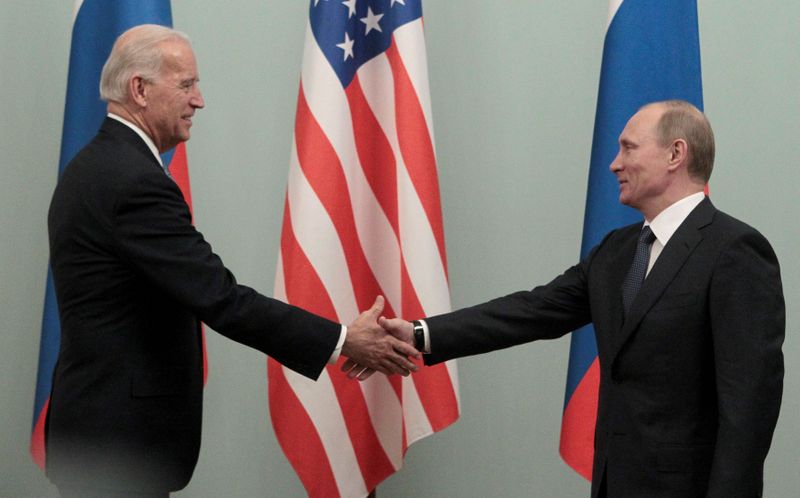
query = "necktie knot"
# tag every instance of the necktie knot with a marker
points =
(647, 236)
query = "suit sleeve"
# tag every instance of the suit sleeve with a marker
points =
(747, 323)
(153, 232)
(546, 312)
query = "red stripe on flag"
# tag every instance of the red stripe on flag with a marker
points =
(372, 459)
(416, 147)
(293, 427)
(377, 161)
(323, 170)
(434, 386)
(298, 436)
(374, 153)
(305, 288)
(37, 437)
(577, 425)
(179, 170)
(309, 291)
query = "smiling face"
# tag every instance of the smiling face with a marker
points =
(173, 97)
(642, 164)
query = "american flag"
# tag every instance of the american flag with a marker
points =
(362, 217)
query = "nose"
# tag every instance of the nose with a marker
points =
(197, 101)
(616, 164)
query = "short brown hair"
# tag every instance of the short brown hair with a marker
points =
(682, 120)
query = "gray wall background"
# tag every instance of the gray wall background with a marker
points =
(514, 87)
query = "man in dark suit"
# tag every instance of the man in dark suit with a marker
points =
(690, 356)
(134, 279)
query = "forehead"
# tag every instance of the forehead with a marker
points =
(178, 57)
(643, 123)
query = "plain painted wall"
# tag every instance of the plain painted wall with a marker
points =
(514, 87)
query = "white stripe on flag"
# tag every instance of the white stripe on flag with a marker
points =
(426, 272)
(385, 412)
(328, 103)
(317, 236)
(417, 424)
(410, 41)
(332, 430)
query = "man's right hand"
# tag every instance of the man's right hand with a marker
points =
(400, 329)
(370, 348)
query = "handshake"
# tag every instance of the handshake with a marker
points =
(375, 343)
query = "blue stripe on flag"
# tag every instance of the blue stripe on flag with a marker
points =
(97, 26)
(651, 53)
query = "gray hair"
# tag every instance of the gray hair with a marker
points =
(136, 51)
(685, 121)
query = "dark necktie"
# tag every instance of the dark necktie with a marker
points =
(638, 269)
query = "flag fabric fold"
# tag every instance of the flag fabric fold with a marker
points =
(96, 25)
(362, 217)
(651, 53)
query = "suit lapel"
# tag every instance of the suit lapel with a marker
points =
(672, 258)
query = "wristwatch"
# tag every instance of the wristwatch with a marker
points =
(419, 336)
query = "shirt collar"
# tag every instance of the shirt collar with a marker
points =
(147, 140)
(667, 222)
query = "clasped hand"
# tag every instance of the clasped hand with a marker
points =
(375, 343)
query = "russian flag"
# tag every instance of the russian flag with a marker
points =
(96, 25)
(651, 53)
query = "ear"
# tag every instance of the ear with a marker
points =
(678, 153)
(137, 88)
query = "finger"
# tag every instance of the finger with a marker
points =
(377, 308)
(390, 324)
(365, 374)
(400, 365)
(348, 365)
(353, 372)
(353, 369)
(405, 365)
(357, 372)
(405, 349)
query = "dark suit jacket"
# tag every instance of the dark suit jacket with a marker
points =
(691, 380)
(133, 280)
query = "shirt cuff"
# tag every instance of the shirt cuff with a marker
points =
(338, 350)
(427, 348)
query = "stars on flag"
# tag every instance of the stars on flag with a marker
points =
(352, 32)
(372, 21)
(347, 46)
(351, 6)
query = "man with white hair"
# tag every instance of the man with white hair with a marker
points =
(134, 279)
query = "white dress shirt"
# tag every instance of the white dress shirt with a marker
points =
(667, 222)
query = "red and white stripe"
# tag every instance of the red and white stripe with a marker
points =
(362, 217)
